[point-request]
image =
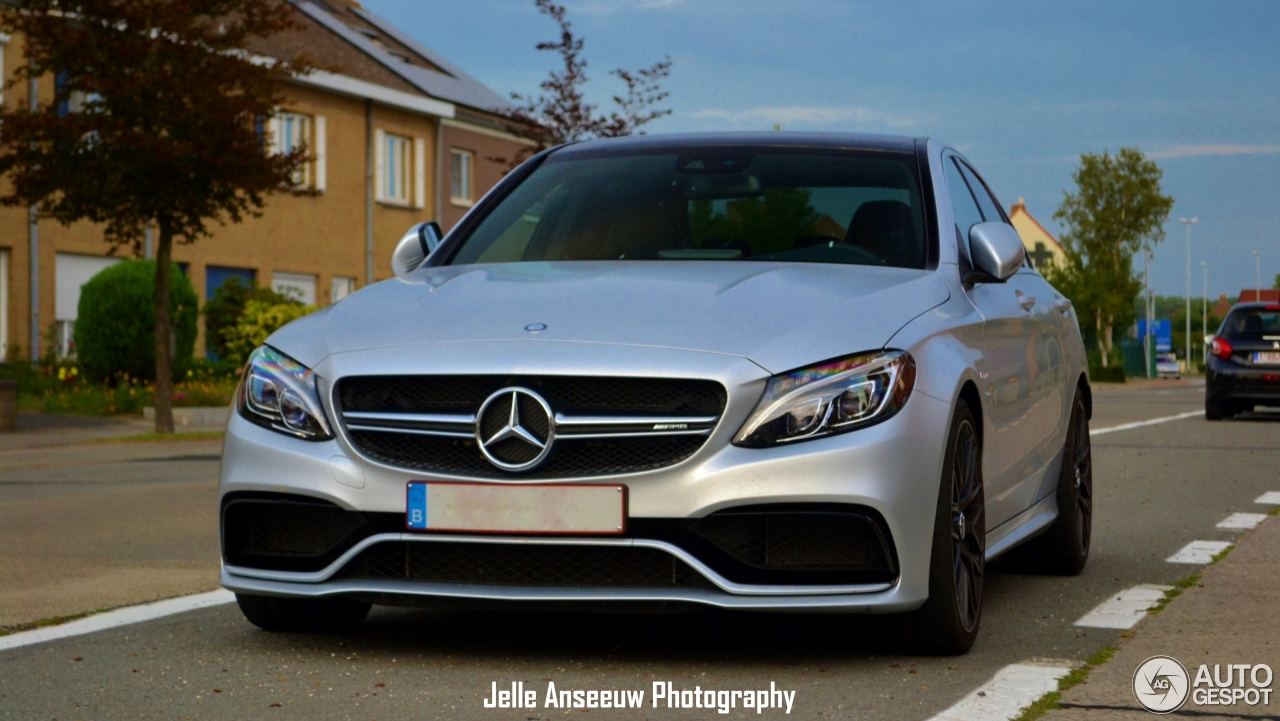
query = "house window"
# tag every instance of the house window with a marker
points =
(298, 286)
(293, 133)
(341, 288)
(396, 180)
(70, 273)
(462, 162)
(401, 170)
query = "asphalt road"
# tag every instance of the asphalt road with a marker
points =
(1157, 488)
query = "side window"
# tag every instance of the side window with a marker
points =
(990, 208)
(963, 206)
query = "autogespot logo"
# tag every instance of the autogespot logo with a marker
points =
(1161, 684)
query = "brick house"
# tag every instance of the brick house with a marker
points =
(399, 136)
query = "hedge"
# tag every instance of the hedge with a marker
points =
(1110, 374)
(115, 330)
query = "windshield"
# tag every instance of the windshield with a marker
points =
(715, 204)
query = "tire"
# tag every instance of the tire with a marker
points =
(1063, 550)
(1213, 410)
(302, 615)
(947, 623)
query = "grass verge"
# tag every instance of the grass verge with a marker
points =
(163, 437)
(1178, 587)
(42, 623)
(1049, 701)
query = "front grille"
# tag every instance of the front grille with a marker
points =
(568, 459)
(446, 445)
(568, 566)
(568, 395)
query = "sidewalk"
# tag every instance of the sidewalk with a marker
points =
(40, 430)
(1231, 617)
(37, 430)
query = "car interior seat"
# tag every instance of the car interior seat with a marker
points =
(885, 227)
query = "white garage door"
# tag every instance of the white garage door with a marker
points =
(295, 285)
(74, 271)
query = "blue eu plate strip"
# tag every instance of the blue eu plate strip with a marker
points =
(417, 513)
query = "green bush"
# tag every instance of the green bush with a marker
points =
(1110, 374)
(222, 312)
(115, 331)
(259, 320)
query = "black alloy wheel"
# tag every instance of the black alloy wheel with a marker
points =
(1082, 479)
(967, 527)
(947, 623)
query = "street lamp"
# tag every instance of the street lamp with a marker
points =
(1188, 222)
(1146, 309)
(1204, 307)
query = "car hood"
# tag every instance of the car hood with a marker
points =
(779, 315)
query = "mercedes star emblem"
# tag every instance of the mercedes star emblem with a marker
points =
(515, 428)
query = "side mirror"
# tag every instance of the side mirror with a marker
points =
(996, 251)
(420, 242)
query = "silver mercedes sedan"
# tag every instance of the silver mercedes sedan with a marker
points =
(768, 372)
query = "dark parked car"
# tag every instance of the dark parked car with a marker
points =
(1244, 362)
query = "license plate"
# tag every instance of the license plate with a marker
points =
(570, 509)
(1266, 359)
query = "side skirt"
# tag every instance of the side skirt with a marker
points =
(1022, 527)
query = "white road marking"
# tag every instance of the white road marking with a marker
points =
(118, 617)
(1200, 552)
(1012, 689)
(1140, 424)
(1124, 609)
(1242, 521)
(1270, 498)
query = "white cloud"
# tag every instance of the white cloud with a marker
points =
(788, 115)
(609, 7)
(1191, 151)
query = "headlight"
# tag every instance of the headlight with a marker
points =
(279, 393)
(829, 398)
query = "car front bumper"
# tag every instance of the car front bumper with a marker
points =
(893, 468)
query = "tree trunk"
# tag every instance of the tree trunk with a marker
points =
(1110, 343)
(1101, 341)
(164, 364)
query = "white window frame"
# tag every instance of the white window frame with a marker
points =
(285, 283)
(395, 161)
(340, 287)
(292, 130)
(466, 161)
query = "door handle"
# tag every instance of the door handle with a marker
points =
(1027, 302)
(1063, 305)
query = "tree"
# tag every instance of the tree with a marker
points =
(223, 311)
(166, 129)
(1276, 284)
(1116, 211)
(562, 114)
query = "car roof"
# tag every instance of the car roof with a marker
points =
(651, 143)
(1255, 305)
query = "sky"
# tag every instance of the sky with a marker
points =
(1021, 88)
